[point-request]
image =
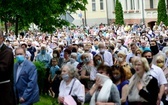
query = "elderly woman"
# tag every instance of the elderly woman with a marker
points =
(143, 88)
(73, 59)
(70, 85)
(103, 92)
(121, 61)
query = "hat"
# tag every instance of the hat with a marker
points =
(146, 51)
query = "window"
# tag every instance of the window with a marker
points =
(114, 2)
(93, 5)
(151, 3)
(126, 6)
(132, 5)
(101, 5)
(138, 4)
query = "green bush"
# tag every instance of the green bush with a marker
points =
(41, 70)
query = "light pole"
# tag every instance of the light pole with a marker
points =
(85, 18)
(85, 21)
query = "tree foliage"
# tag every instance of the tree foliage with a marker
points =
(119, 13)
(44, 13)
(162, 16)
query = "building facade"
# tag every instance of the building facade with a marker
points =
(103, 11)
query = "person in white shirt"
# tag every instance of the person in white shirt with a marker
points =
(73, 61)
(70, 85)
(156, 72)
(133, 50)
(49, 50)
(119, 47)
(106, 55)
(28, 55)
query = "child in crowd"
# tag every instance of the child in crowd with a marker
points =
(54, 78)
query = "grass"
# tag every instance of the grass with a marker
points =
(47, 100)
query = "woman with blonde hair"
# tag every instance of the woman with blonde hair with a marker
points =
(121, 61)
(143, 88)
(160, 61)
(138, 52)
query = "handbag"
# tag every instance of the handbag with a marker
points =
(74, 97)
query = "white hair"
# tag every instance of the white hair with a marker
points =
(72, 71)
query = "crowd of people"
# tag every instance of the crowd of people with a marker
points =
(99, 65)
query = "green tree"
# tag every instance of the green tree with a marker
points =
(44, 13)
(119, 13)
(162, 16)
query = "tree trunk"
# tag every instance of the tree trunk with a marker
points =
(16, 27)
(167, 4)
(6, 28)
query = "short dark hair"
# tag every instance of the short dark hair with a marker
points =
(57, 52)
(122, 41)
(8, 41)
(105, 68)
(24, 45)
(54, 59)
(68, 51)
(121, 70)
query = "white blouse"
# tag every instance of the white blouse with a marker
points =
(77, 89)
